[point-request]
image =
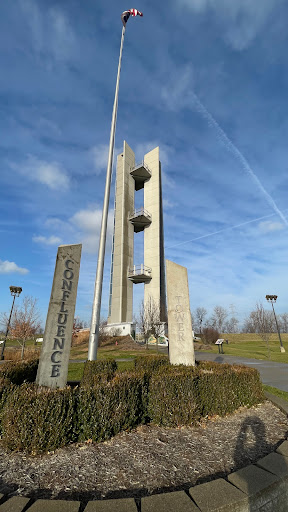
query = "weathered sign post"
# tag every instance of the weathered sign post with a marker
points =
(181, 346)
(54, 359)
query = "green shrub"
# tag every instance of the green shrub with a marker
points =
(181, 395)
(98, 371)
(173, 396)
(20, 371)
(5, 389)
(224, 388)
(150, 363)
(110, 407)
(38, 420)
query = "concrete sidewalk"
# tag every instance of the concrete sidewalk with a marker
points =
(273, 374)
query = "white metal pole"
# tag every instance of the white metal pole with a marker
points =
(95, 320)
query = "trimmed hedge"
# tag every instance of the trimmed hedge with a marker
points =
(5, 390)
(150, 363)
(37, 420)
(20, 371)
(98, 371)
(182, 395)
(174, 397)
(108, 408)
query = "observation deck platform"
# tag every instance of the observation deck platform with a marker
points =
(140, 173)
(140, 219)
(139, 274)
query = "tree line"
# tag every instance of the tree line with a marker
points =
(225, 321)
(25, 323)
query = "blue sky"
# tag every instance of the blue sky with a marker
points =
(205, 80)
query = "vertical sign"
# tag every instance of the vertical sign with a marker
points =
(181, 346)
(54, 359)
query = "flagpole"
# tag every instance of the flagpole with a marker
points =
(95, 320)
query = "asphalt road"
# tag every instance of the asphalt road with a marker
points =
(273, 374)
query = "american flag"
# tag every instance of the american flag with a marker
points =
(131, 12)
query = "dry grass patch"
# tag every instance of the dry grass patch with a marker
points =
(14, 354)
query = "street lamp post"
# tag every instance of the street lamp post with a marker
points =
(15, 292)
(272, 299)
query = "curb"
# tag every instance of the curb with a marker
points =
(262, 486)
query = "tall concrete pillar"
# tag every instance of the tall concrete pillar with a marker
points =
(121, 289)
(154, 233)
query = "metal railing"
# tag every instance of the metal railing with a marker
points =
(139, 212)
(142, 164)
(139, 270)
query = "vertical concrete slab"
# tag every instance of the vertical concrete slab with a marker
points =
(154, 234)
(54, 359)
(121, 289)
(181, 346)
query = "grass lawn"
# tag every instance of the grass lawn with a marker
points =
(276, 392)
(81, 352)
(252, 346)
(75, 370)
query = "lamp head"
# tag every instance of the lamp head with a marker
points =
(271, 298)
(15, 290)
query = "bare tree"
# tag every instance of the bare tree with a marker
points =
(25, 322)
(263, 322)
(231, 325)
(149, 319)
(250, 323)
(210, 335)
(218, 318)
(200, 314)
(283, 321)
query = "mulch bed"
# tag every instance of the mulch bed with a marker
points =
(147, 460)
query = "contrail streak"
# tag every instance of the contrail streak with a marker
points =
(220, 231)
(235, 151)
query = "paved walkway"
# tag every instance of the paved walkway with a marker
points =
(273, 374)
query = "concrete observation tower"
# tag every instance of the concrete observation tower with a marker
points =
(125, 272)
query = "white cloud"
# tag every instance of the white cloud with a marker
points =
(100, 156)
(242, 19)
(88, 223)
(167, 181)
(167, 204)
(87, 220)
(9, 267)
(83, 227)
(177, 93)
(51, 240)
(50, 30)
(50, 174)
(269, 226)
(62, 37)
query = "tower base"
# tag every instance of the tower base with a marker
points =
(121, 329)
